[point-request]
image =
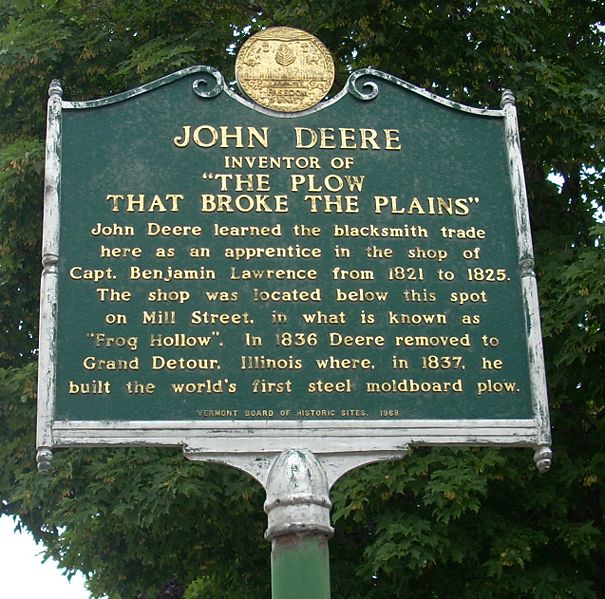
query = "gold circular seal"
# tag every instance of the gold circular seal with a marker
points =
(284, 69)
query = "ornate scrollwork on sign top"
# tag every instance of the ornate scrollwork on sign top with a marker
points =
(357, 92)
(211, 84)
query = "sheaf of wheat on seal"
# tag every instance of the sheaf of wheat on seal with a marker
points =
(284, 69)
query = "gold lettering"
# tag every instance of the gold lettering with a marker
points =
(106, 252)
(345, 138)
(163, 363)
(243, 203)
(207, 136)
(391, 137)
(197, 136)
(413, 386)
(112, 230)
(181, 142)
(138, 202)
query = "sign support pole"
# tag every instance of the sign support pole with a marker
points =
(298, 510)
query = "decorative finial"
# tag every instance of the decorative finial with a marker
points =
(543, 459)
(508, 98)
(55, 89)
(44, 458)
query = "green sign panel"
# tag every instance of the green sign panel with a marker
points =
(367, 261)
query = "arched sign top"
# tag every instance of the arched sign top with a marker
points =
(363, 84)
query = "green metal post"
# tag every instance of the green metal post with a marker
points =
(300, 567)
(298, 509)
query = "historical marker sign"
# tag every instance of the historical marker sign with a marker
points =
(355, 277)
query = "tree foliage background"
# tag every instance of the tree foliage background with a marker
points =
(441, 523)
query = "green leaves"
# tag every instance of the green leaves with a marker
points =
(158, 55)
(21, 163)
